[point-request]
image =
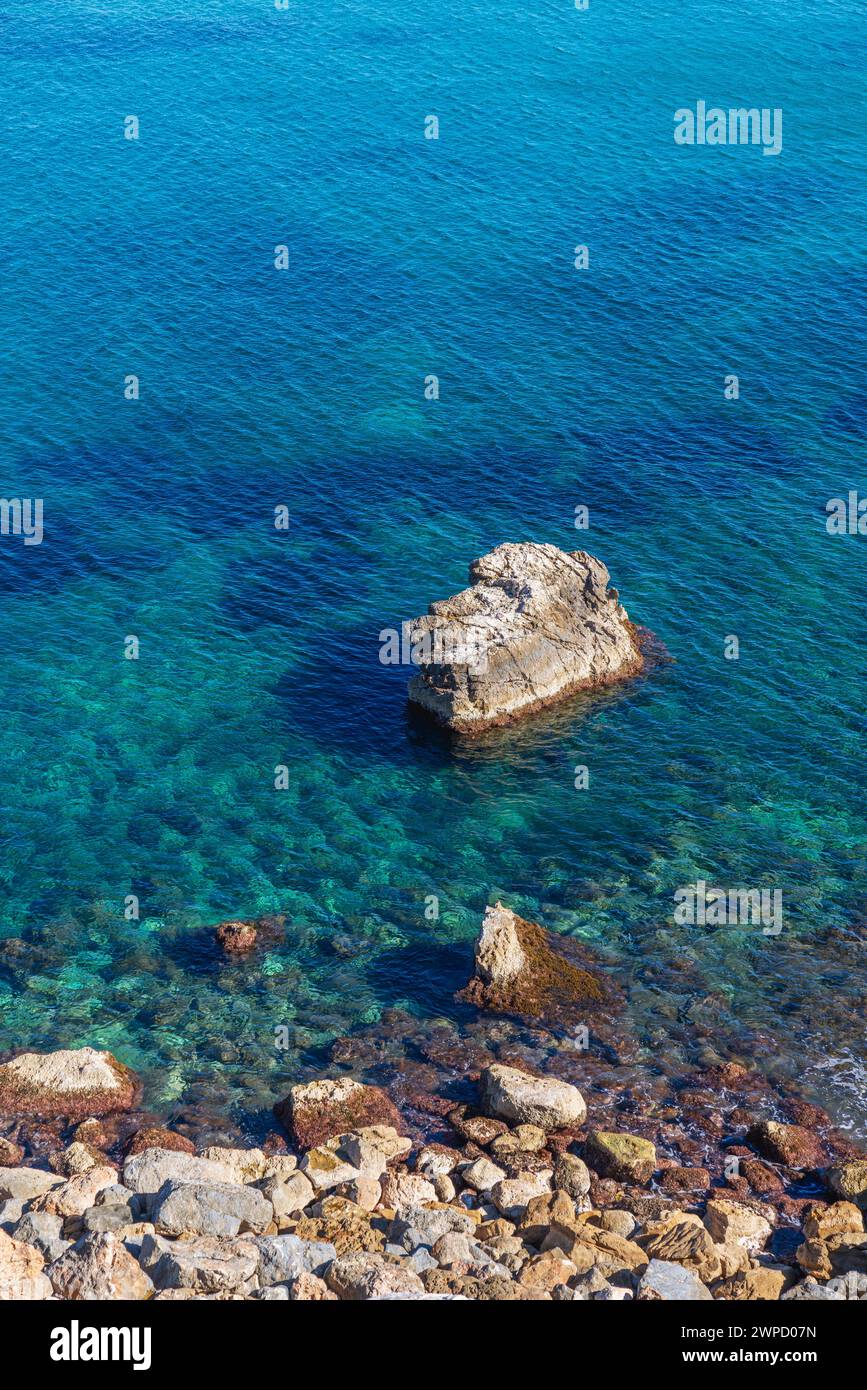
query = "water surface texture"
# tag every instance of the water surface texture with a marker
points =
(305, 388)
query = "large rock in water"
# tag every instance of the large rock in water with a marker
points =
(72, 1084)
(537, 624)
(522, 969)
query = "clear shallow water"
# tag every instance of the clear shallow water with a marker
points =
(305, 388)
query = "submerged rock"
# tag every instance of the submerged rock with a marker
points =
(537, 624)
(236, 937)
(522, 969)
(72, 1083)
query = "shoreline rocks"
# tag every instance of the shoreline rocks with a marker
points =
(536, 625)
(526, 1192)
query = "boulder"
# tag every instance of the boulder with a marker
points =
(77, 1158)
(248, 1165)
(840, 1218)
(210, 1209)
(277, 1165)
(483, 1174)
(368, 1149)
(368, 1275)
(732, 1223)
(611, 1253)
(848, 1181)
(521, 1139)
(542, 1273)
(519, 1098)
(424, 1225)
(282, 1258)
(116, 1216)
(524, 970)
(512, 1195)
(671, 1282)
(451, 1249)
(401, 1189)
(437, 1160)
(682, 1179)
(206, 1265)
(309, 1288)
(320, 1110)
(10, 1154)
(74, 1196)
(847, 1253)
(363, 1153)
(536, 624)
(43, 1230)
(342, 1224)
(624, 1157)
(810, 1291)
(72, 1084)
(619, 1223)
(548, 1217)
(367, 1192)
(791, 1145)
(326, 1168)
(572, 1175)
(289, 1196)
(148, 1170)
(480, 1130)
(767, 1282)
(685, 1243)
(26, 1183)
(21, 1275)
(11, 1211)
(98, 1267)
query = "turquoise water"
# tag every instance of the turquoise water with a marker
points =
(305, 388)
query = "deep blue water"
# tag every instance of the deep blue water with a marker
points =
(305, 387)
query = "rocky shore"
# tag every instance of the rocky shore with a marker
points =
(536, 624)
(505, 1180)
(523, 1198)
